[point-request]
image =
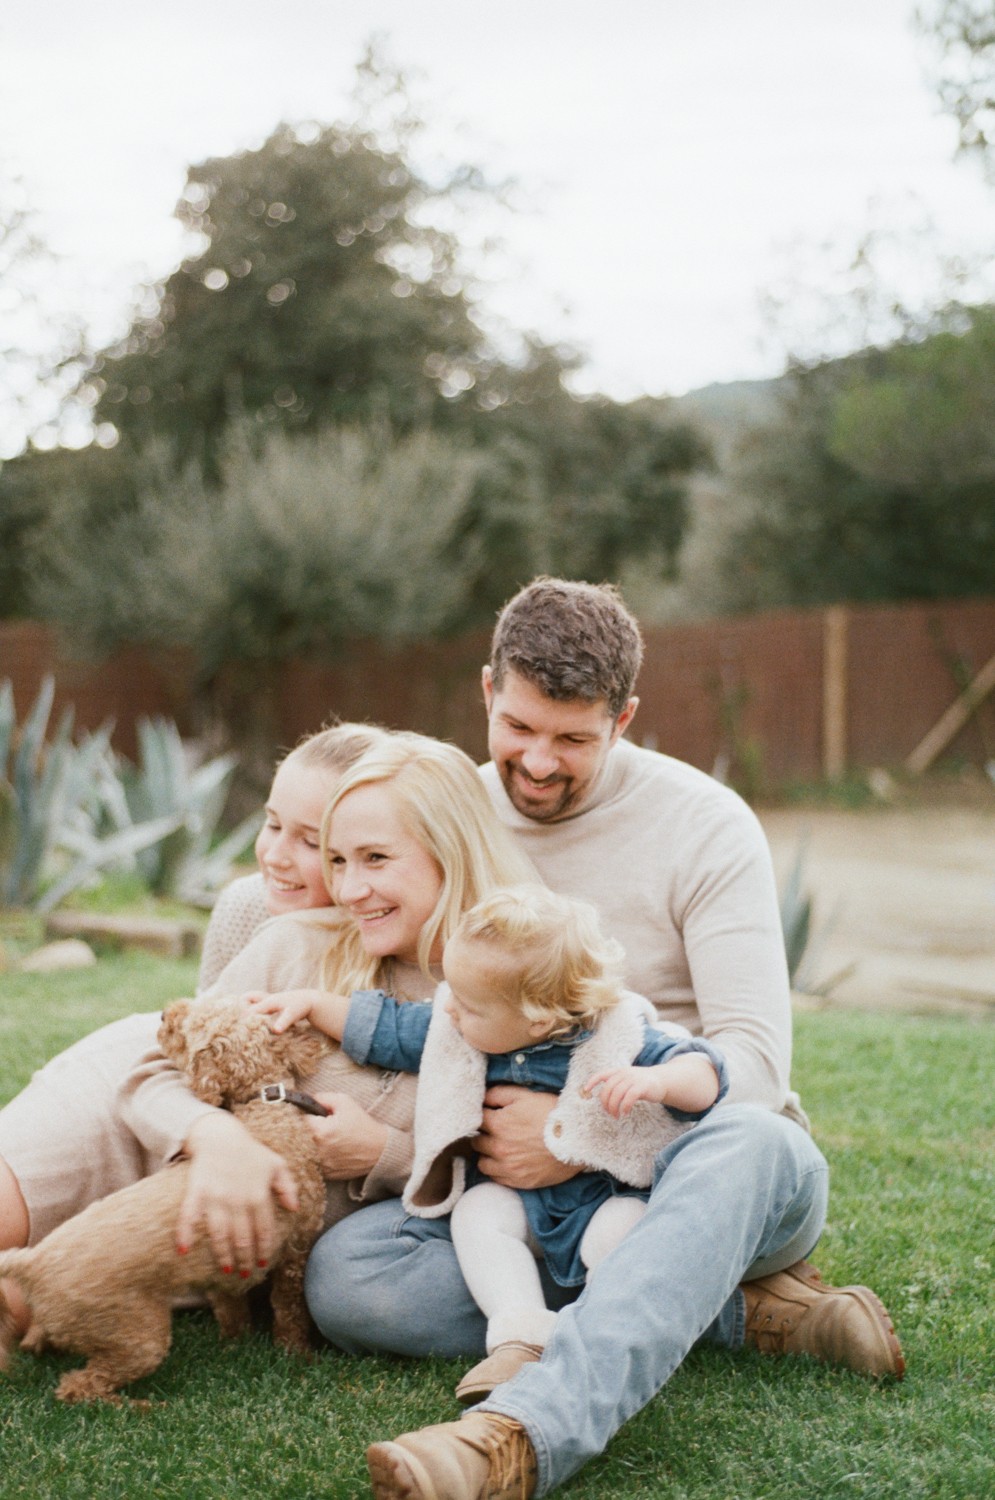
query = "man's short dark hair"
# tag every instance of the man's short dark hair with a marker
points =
(570, 640)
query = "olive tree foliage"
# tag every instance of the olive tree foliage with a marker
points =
(299, 546)
(303, 542)
(964, 34)
(877, 481)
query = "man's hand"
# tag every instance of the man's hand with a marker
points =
(510, 1146)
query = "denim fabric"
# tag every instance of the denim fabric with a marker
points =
(387, 1033)
(741, 1195)
(391, 1034)
(384, 1033)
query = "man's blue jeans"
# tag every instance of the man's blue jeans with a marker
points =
(740, 1196)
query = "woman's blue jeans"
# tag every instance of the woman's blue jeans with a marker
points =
(740, 1196)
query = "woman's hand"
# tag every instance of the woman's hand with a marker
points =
(510, 1146)
(233, 1181)
(350, 1142)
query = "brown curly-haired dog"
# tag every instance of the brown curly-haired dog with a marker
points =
(104, 1283)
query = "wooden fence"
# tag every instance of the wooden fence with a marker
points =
(799, 694)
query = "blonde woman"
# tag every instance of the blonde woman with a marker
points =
(417, 843)
(131, 1111)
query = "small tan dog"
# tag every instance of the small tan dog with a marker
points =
(104, 1283)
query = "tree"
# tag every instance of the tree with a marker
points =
(323, 315)
(964, 31)
(39, 343)
(40, 354)
(924, 419)
(320, 293)
(586, 484)
(877, 481)
(300, 546)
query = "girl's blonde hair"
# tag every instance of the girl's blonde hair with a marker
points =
(561, 967)
(337, 746)
(444, 806)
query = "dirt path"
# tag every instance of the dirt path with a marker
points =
(906, 896)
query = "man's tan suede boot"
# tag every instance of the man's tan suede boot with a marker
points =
(794, 1312)
(483, 1456)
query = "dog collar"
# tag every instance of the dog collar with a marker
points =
(278, 1093)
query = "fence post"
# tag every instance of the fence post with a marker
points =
(835, 669)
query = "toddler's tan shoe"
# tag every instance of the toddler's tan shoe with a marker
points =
(506, 1361)
(483, 1456)
(795, 1312)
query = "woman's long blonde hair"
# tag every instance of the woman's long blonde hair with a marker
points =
(444, 806)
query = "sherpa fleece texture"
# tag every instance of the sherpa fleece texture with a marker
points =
(450, 1101)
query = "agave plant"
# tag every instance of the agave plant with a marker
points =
(50, 805)
(802, 944)
(165, 787)
(796, 914)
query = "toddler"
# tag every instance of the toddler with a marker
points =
(532, 996)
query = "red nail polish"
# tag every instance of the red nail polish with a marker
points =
(262, 1264)
(226, 1270)
(183, 1249)
(245, 1275)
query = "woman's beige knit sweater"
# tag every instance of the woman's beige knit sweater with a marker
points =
(286, 953)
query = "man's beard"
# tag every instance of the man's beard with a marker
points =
(539, 808)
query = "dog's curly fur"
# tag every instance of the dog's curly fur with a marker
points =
(104, 1283)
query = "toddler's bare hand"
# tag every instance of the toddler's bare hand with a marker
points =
(619, 1089)
(285, 1008)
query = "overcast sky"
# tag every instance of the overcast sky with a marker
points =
(668, 152)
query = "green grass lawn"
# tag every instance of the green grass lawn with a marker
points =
(903, 1108)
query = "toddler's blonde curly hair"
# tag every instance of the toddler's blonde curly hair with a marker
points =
(560, 966)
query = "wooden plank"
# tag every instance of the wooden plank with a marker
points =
(951, 722)
(835, 669)
(167, 936)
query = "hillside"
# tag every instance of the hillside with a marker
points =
(724, 413)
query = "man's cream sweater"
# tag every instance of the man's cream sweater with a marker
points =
(679, 869)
